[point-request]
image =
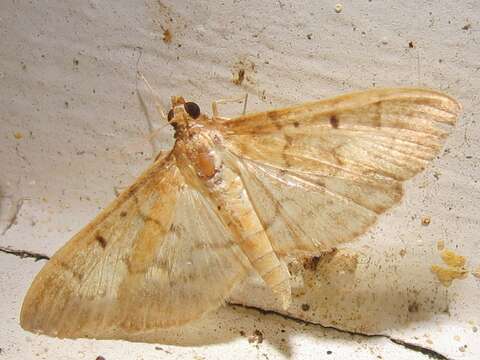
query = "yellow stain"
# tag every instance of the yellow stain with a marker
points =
(447, 275)
(454, 269)
(451, 259)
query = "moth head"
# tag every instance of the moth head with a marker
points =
(182, 112)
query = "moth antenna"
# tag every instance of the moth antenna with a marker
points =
(156, 97)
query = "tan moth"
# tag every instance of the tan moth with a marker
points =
(235, 196)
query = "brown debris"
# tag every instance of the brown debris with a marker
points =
(167, 36)
(257, 337)
(237, 80)
(413, 307)
(242, 72)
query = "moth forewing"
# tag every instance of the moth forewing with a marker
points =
(320, 173)
(236, 196)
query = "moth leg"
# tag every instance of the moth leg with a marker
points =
(162, 154)
(215, 114)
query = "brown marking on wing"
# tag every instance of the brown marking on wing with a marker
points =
(334, 121)
(310, 263)
(377, 116)
(101, 240)
(68, 268)
(274, 116)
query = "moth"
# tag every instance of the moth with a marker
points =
(236, 196)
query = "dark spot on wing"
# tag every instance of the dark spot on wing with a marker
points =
(296, 124)
(289, 140)
(274, 116)
(123, 213)
(68, 268)
(334, 121)
(311, 263)
(377, 116)
(101, 240)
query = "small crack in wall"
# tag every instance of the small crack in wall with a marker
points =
(24, 253)
(432, 354)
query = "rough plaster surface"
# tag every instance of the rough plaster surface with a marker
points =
(74, 123)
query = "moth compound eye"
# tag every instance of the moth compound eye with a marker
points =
(170, 115)
(192, 109)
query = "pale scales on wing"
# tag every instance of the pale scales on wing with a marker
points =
(232, 197)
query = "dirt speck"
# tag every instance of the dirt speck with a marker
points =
(257, 337)
(338, 8)
(476, 273)
(167, 36)
(162, 349)
(243, 72)
(411, 44)
(426, 220)
(466, 27)
(100, 358)
(240, 76)
(18, 135)
(413, 307)
(403, 252)
(305, 307)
